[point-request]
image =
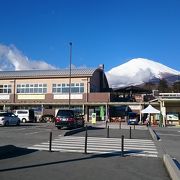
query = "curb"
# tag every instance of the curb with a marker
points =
(170, 165)
(153, 134)
(172, 169)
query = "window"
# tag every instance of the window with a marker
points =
(32, 88)
(56, 88)
(64, 88)
(5, 89)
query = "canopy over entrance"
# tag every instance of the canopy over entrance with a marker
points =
(150, 110)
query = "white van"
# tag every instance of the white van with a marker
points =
(25, 115)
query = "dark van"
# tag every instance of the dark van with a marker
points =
(67, 118)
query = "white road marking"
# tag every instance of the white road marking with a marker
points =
(31, 133)
(132, 147)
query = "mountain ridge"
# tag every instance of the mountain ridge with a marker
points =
(138, 71)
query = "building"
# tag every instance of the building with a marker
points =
(46, 91)
(170, 108)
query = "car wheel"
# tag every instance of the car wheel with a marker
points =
(75, 125)
(82, 124)
(24, 120)
(18, 123)
(6, 123)
(59, 127)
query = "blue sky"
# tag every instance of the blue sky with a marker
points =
(102, 31)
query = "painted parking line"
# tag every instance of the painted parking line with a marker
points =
(168, 134)
(20, 129)
(31, 133)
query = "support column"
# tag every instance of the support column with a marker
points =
(83, 110)
(140, 114)
(86, 113)
(163, 111)
(4, 107)
(107, 112)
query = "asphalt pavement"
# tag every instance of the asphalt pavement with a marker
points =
(57, 165)
(170, 141)
(17, 162)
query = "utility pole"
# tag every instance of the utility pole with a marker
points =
(70, 60)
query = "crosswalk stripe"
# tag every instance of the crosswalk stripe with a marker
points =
(132, 147)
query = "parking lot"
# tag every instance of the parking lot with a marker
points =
(27, 134)
(17, 161)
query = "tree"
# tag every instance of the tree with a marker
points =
(176, 87)
(163, 86)
(149, 86)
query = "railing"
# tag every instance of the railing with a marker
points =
(169, 94)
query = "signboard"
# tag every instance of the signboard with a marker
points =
(93, 118)
(102, 112)
(172, 116)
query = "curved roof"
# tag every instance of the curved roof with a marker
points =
(47, 73)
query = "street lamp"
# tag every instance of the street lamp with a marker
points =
(70, 74)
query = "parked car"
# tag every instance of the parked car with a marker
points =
(25, 115)
(47, 118)
(132, 118)
(8, 118)
(67, 118)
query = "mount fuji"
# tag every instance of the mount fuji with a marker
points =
(138, 71)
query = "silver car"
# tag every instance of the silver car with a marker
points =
(8, 118)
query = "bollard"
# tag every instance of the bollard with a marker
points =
(134, 126)
(50, 141)
(130, 133)
(85, 146)
(119, 124)
(122, 145)
(108, 132)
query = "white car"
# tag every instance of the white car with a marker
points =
(25, 115)
(8, 118)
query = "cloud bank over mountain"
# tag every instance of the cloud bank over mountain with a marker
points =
(137, 71)
(13, 59)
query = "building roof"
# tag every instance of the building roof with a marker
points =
(47, 73)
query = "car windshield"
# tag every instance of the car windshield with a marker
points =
(132, 115)
(65, 113)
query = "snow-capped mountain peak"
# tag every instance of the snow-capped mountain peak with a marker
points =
(137, 71)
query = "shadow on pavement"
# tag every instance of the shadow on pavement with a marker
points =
(11, 151)
(81, 129)
(94, 128)
(105, 155)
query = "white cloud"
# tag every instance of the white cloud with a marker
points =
(13, 59)
(79, 67)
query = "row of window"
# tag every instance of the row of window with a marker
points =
(5, 89)
(42, 88)
(31, 88)
(64, 88)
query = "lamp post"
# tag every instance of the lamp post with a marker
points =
(70, 74)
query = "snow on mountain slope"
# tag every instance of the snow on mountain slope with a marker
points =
(137, 71)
